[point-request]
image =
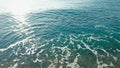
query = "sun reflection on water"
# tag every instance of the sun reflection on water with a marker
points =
(20, 8)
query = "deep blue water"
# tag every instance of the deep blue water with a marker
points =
(63, 38)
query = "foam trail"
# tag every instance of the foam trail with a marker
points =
(94, 52)
(16, 44)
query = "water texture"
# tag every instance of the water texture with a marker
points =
(62, 38)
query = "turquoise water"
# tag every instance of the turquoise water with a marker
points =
(63, 38)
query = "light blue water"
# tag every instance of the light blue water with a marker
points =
(63, 38)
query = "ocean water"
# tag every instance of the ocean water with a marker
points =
(87, 37)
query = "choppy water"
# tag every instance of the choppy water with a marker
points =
(62, 38)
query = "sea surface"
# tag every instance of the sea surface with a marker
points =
(75, 37)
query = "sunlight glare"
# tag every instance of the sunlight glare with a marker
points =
(18, 7)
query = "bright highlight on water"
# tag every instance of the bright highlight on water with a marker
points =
(59, 34)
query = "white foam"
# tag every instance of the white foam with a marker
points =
(14, 66)
(117, 40)
(115, 58)
(79, 46)
(118, 50)
(39, 52)
(52, 65)
(74, 63)
(106, 65)
(61, 66)
(15, 44)
(37, 60)
(16, 59)
(23, 63)
(94, 52)
(71, 40)
(105, 52)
